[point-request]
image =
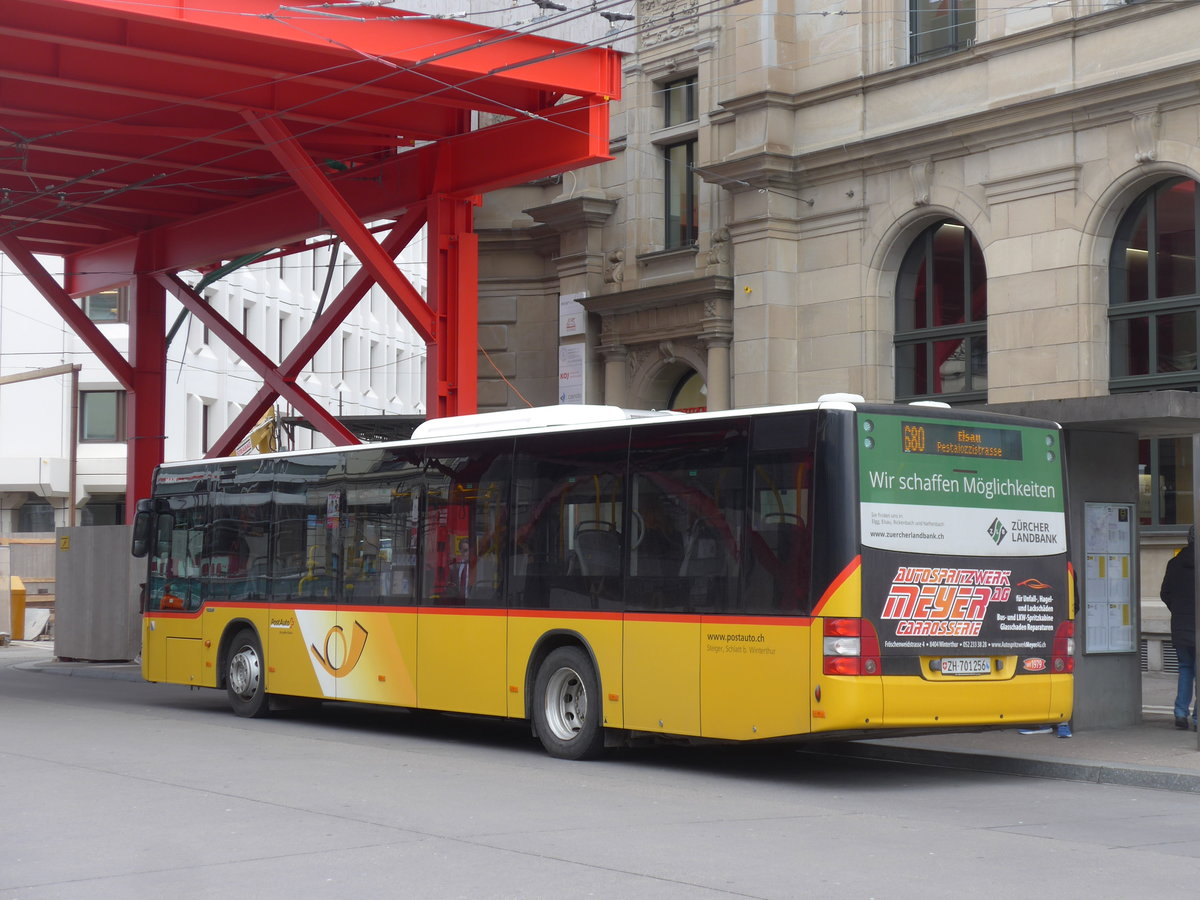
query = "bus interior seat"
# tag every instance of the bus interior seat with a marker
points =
(787, 543)
(703, 554)
(597, 548)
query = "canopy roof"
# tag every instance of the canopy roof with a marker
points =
(140, 138)
(120, 119)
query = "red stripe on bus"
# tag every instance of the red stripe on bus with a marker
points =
(462, 611)
(586, 615)
(837, 583)
(803, 621)
(564, 614)
(690, 618)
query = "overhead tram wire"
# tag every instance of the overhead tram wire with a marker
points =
(143, 183)
(701, 9)
(607, 38)
(504, 36)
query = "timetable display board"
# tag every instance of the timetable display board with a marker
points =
(1108, 613)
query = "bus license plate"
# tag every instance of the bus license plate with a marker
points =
(967, 665)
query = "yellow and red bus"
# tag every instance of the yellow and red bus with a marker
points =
(828, 570)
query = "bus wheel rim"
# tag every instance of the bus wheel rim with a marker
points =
(245, 672)
(566, 704)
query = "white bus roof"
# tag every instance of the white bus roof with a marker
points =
(532, 419)
(563, 417)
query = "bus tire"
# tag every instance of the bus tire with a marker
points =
(245, 681)
(567, 711)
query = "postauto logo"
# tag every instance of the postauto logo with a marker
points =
(341, 656)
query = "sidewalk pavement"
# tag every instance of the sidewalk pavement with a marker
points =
(1150, 754)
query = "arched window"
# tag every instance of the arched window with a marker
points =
(1154, 301)
(941, 317)
(1153, 296)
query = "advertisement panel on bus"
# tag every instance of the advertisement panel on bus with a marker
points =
(963, 534)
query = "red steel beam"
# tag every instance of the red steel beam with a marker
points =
(342, 218)
(108, 355)
(374, 192)
(445, 50)
(326, 423)
(145, 424)
(452, 362)
(320, 331)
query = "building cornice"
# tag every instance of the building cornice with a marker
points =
(581, 211)
(1095, 105)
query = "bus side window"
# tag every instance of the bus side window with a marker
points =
(466, 526)
(778, 560)
(687, 513)
(568, 502)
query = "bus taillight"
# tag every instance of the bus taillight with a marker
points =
(1064, 648)
(851, 647)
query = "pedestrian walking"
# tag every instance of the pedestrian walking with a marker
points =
(1179, 594)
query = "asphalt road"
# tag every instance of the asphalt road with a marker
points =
(115, 789)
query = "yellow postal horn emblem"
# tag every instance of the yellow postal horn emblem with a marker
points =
(336, 651)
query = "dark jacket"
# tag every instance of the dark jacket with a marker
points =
(1179, 594)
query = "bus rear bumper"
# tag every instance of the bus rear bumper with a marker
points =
(913, 703)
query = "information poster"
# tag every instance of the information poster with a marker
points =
(572, 317)
(571, 373)
(1108, 614)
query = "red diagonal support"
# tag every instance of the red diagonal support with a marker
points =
(406, 228)
(335, 313)
(68, 309)
(258, 361)
(342, 218)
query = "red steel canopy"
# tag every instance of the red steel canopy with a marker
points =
(139, 139)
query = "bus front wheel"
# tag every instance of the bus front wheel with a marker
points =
(567, 710)
(244, 679)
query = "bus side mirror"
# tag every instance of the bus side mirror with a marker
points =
(143, 521)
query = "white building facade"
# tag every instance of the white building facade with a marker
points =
(374, 365)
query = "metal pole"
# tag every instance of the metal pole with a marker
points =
(73, 464)
(1196, 570)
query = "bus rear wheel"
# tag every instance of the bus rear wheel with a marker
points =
(567, 712)
(244, 681)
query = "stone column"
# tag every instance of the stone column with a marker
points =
(615, 356)
(718, 378)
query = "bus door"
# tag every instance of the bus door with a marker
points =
(566, 572)
(235, 568)
(686, 511)
(754, 659)
(462, 621)
(373, 652)
(302, 612)
(172, 625)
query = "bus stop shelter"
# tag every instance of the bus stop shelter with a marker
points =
(139, 141)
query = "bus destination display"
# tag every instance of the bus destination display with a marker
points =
(941, 439)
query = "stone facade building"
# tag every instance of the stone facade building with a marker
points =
(904, 200)
(776, 166)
